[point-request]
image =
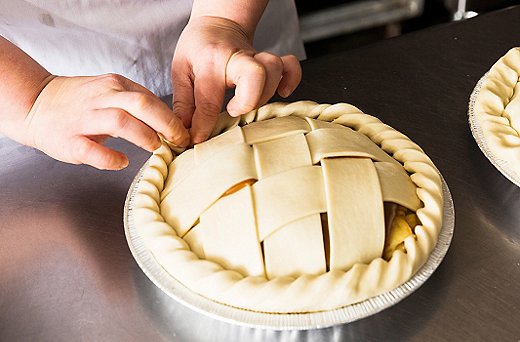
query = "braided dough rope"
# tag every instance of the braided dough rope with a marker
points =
(497, 110)
(307, 293)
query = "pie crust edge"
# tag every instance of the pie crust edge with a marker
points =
(495, 113)
(306, 293)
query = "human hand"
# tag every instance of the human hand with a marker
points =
(214, 54)
(73, 116)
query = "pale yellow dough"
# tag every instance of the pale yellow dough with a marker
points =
(238, 219)
(497, 110)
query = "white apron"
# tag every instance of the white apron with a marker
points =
(134, 38)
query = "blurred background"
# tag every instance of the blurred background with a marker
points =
(330, 26)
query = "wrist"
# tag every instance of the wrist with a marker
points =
(221, 24)
(23, 79)
(244, 13)
(17, 126)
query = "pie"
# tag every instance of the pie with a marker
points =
(496, 109)
(292, 208)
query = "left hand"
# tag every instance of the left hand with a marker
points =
(214, 54)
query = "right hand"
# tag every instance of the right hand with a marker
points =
(214, 54)
(73, 116)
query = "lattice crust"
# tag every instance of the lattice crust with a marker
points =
(214, 218)
(497, 109)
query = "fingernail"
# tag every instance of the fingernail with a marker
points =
(284, 92)
(123, 164)
(233, 111)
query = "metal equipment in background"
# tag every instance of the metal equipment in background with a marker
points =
(336, 18)
(332, 18)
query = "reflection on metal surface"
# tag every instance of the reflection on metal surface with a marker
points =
(315, 320)
(355, 16)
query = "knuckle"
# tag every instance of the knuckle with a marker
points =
(143, 101)
(182, 84)
(208, 109)
(120, 120)
(82, 151)
(113, 77)
(273, 63)
(173, 124)
(181, 107)
(291, 59)
(114, 81)
(258, 70)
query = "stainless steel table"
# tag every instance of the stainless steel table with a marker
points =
(66, 272)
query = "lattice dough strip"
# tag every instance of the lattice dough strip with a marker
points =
(318, 124)
(280, 155)
(206, 150)
(303, 195)
(229, 234)
(181, 209)
(328, 142)
(262, 131)
(307, 256)
(396, 185)
(355, 211)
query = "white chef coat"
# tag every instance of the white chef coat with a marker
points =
(134, 38)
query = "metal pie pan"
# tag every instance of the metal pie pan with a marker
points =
(303, 321)
(476, 130)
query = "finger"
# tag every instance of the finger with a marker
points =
(118, 123)
(248, 75)
(291, 76)
(274, 67)
(152, 111)
(183, 99)
(86, 151)
(209, 93)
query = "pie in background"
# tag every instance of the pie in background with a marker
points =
(292, 208)
(496, 109)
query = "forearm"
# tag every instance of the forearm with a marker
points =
(246, 13)
(22, 81)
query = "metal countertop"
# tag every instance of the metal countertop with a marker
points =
(66, 272)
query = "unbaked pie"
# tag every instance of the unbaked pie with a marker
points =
(292, 208)
(496, 109)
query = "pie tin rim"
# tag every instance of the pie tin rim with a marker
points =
(297, 321)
